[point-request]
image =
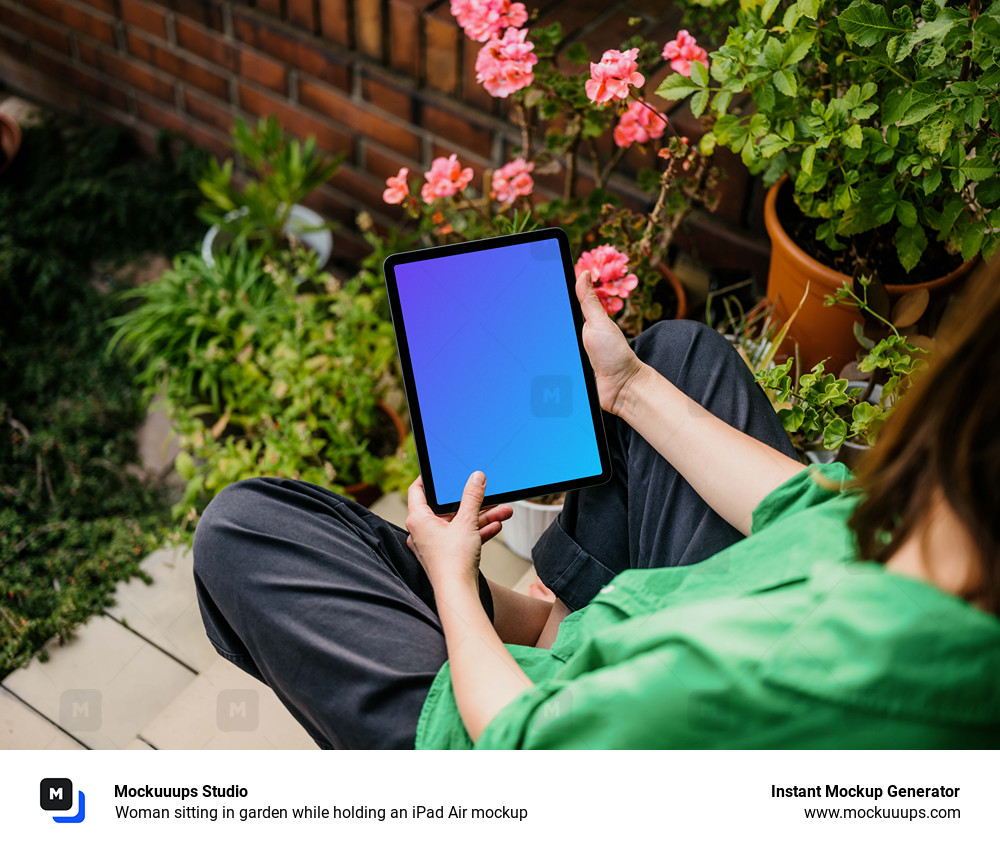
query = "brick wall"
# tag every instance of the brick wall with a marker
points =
(389, 82)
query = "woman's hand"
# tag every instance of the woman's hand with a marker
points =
(615, 364)
(448, 547)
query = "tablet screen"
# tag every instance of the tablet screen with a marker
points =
(489, 340)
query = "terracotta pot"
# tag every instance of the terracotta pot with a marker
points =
(820, 331)
(10, 140)
(364, 493)
(678, 288)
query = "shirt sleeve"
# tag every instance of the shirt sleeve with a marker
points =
(814, 485)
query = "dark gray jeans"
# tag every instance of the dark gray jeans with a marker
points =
(323, 601)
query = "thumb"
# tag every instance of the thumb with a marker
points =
(472, 499)
(593, 312)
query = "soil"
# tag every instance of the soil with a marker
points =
(385, 439)
(875, 249)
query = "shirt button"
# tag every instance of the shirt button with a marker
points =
(608, 588)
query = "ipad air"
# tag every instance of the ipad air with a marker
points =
(496, 376)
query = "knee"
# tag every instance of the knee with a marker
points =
(227, 516)
(672, 341)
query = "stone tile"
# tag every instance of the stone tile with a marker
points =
(157, 442)
(136, 744)
(225, 709)
(498, 563)
(103, 686)
(166, 611)
(24, 729)
(525, 581)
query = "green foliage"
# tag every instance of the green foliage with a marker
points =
(74, 520)
(267, 368)
(880, 114)
(255, 211)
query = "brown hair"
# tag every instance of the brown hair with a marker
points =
(944, 439)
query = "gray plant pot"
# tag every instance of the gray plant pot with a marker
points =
(301, 223)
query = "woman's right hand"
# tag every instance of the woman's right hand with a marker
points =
(615, 364)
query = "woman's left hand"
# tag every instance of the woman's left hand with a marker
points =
(448, 547)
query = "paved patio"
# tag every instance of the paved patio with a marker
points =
(144, 676)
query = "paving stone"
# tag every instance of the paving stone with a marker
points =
(225, 709)
(103, 686)
(138, 745)
(24, 729)
(498, 563)
(166, 611)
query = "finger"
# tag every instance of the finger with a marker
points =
(415, 497)
(498, 513)
(472, 499)
(589, 302)
(488, 532)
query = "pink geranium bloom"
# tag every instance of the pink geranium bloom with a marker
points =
(611, 77)
(609, 274)
(512, 181)
(485, 19)
(396, 188)
(639, 124)
(445, 178)
(504, 64)
(682, 51)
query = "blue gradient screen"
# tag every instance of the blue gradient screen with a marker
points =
(496, 367)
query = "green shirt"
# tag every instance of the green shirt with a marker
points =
(783, 640)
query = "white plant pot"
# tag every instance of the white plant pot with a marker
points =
(301, 223)
(522, 530)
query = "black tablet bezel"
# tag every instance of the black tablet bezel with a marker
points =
(389, 273)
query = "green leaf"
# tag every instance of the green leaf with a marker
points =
(866, 23)
(784, 81)
(949, 215)
(978, 168)
(763, 96)
(935, 135)
(768, 10)
(931, 55)
(699, 73)
(676, 87)
(896, 105)
(699, 101)
(808, 158)
(906, 213)
(774, 52)
(863, 413)
(932, 179)
(834, 434)
(797, 47)
(577, 53)
(852, 136)
(910, 245)
(972, 239)
(919, 110)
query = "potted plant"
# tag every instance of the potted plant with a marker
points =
(874, 124)
(268, 367)
(264, 209)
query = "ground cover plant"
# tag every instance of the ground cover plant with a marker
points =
(73, 519)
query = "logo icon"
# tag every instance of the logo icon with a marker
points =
(56, 795)
(237, 710)
(551, 396)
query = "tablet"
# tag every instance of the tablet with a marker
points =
(496, 376)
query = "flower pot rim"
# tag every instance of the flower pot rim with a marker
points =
(10, 130)
(320, 241)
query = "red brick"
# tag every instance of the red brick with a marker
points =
(294, 120)
(169, 61)
(208, 110)
(34, 29)
(381, 163)
(145, 16)
(473, 92)
(272, 7)
(368, 28)
(319, 63)
(456, 129)
(14, 45)
(258, 68)
(404, 37)
(441, 59)
(163, 118)
(128, 72)
(302, 13)
(78, 19)
(79, 78)
(364, 188)
(207, 44)
(20, 76)
(334, 105)
(105, 6)
(388, 97)
(205, 12)
(335, 21)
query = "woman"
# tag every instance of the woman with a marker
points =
(715, 593)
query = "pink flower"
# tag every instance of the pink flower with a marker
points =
(397, 187)
(611, 77)
(504, 64)
(512, 181)
(682, 51)
(610, 275)
(485, 19)
(639, 124)
(445, 178)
